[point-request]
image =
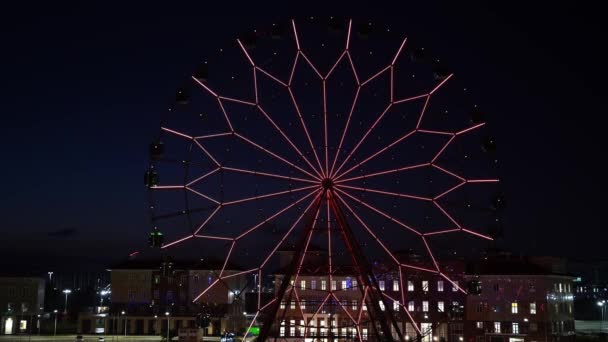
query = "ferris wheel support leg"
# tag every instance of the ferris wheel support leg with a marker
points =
(289, 273)
(367, 278)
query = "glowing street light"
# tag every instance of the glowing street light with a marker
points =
(55, 331)
(168, 323)
(67, 292)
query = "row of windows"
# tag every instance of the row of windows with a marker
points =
(502, 327)
(354, 305)
(323, 330)
(352, 284)
(515, 307)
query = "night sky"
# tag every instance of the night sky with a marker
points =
(84, 86)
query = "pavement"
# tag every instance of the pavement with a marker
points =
(591, 327)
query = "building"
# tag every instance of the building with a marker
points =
(324, 305)
(151, 296)
(21, 301)
(519, 301)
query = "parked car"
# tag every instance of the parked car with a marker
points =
(247, 338)
(101, 339)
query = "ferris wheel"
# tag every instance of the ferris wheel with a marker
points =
(341, 136)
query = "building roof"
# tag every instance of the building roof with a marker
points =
(155, 264)
(513, 265)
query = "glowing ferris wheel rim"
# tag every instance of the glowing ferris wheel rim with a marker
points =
(320, 171)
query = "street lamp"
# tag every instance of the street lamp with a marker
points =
(124, 314)
(55, 331)
(101, 294)
(601, 303)
(67, 292)
(168, 323)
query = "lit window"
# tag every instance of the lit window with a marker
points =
(364, 333)
(303, 304)
(410, 285)
(323, 285)
(364, 307)
(282, 331)
(440, 307)
(343, 331)
(292, 304)
(334, 285)
(302, 327)
(282, 304)
(354, 284)
(23, 325)
(455, 286)
(497, 327)
(514, 308)
(425, 285)
(410, 306)
(381, 303)
(440, 285)
(395, 285)
(479, 325)
(292, 328)
(396, 305)
(344, 287)
(425, 306)
(515, 328)
(354, 304)
(560, 288)
(313, 284)
(381, 285)
(533, 308)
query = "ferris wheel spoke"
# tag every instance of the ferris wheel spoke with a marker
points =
(173, 243)
(311, 65)
(272, 194)
(376, 75)
(266, 174)
(203, 177)
(367, 133)
(374, 155)
(267, 151)
(378, 211)
(204, 223)
(289, 141)
(385, 172)
(325, 127)
(202, 195)
(387, 193)
(301, 261)
(293, 226)
(456, 286)
(331, 70)
(305, 128)
(276, 214)
(369, 230)
(352, 66)
(407, 312)
(443, 231)
(343, 308)
(350, 114)
(265, 114)
(449, 190)
(457, 224)
(428, 249)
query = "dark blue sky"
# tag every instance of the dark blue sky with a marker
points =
(83, 87)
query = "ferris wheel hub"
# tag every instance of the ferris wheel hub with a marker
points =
(327, 183)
